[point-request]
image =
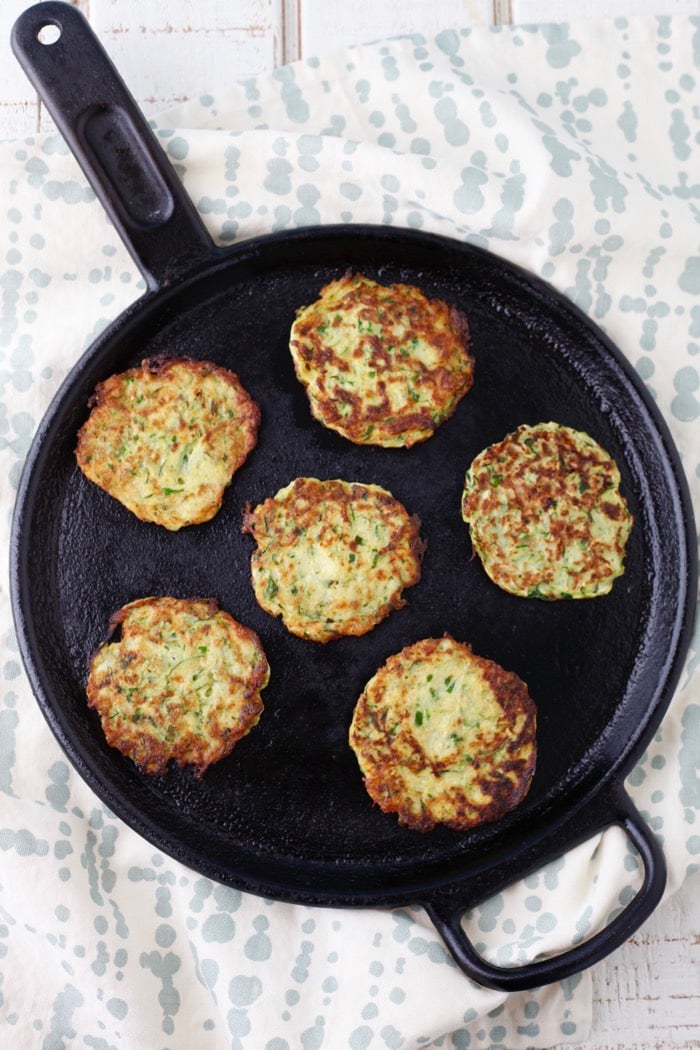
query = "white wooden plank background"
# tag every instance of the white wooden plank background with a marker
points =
(647, 994)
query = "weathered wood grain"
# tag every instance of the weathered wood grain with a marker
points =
(647, 994)
(528, 11)
(324, 26)
(171, 52)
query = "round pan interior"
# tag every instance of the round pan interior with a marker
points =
(286, 814)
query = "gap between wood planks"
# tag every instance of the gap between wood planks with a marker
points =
(502, 12)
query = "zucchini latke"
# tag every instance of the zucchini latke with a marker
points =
(166, 438)
(546, 515)
(381, 365)
(443, 736)
(182, 683)
(333, 557)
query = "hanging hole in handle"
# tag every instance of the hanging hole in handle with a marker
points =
(49, 34)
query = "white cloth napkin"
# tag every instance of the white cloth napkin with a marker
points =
(572, 150)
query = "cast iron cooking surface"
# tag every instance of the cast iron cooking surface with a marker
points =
(287, 811)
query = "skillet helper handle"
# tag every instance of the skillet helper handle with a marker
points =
(112, 141)
(446, 915)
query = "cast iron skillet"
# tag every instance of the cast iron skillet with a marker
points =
(286, 815)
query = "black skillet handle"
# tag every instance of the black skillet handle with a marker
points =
(446, 913)
(112, 142)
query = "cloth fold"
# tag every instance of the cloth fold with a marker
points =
(571, 150)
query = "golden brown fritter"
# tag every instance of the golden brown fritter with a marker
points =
(182, 683)
(166, 438)
(444, 737)
(546, 515)
(382, 365)
(333, 557)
